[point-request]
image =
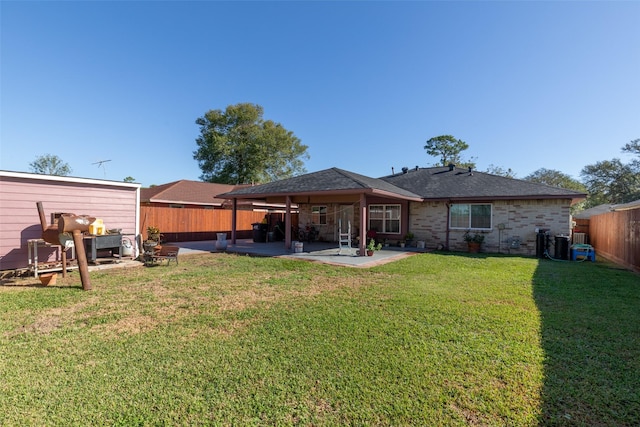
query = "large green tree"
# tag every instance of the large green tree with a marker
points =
(555, 178)
(49, 164)
(611, 181)
(448, 148)
(237, 146)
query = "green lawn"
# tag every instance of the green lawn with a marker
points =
(434, 339)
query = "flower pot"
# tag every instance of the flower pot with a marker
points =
(221, 243)
(369, 253)
(48, 278)
(474, 247)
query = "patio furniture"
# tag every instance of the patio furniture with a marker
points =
(161, 253)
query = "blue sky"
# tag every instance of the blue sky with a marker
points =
(527, 85)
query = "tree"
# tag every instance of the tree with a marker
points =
(634, 147)
(611, 181)
(237, 146)
(448, 149)
(129, 179)
(555, 178)
(49, 164)
(558, 179)
(498, 170)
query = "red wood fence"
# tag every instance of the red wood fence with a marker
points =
(189, 224)
(616, 236)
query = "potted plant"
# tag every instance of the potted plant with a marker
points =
(408, 238)
(474, 241)
(372, 246)
(153, 238)
(153, 233)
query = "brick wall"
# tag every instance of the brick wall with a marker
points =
(514, 225)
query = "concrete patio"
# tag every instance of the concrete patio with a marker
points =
(323, 252)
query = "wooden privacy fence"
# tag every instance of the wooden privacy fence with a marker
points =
(616, 235)
(185, 224)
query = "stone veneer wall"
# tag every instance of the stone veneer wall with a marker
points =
(329, 232)
(519, 218)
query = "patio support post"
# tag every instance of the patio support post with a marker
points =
(363, 224)
(234, 211)
(287, 224)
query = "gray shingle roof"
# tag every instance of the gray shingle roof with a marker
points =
(439, 183)
(442, 183)
(328, 180)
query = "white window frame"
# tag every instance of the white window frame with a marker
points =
(468, 226)
(385, 217)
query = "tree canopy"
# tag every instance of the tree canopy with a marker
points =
(500, 171)
(237, 146)
(49, 164)
(448, 149)
(555, 178)
(613, 181)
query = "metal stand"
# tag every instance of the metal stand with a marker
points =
(32, 253)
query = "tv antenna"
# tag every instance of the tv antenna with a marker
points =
(101, 163)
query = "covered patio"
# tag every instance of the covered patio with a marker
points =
(323, 252)
(345, 197)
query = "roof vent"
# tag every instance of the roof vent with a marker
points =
(405, 169)
(393, 171)
(470, 170)
(451, 166)
(417, 167)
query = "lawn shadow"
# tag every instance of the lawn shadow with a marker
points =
(590, 336)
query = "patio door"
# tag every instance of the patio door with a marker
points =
(344, 215)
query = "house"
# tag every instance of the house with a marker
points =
(437, 205)
(116, 203)
(185, 194)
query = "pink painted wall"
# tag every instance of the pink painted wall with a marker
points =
(116, 203)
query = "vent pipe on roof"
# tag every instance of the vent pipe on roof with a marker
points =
(393, 172)
(451, 166)
(417, 167)
(405, 169)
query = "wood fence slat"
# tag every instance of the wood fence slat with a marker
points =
(616, 235)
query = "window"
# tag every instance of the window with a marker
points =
(384, 218)
(470, 216)
(319, 215)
